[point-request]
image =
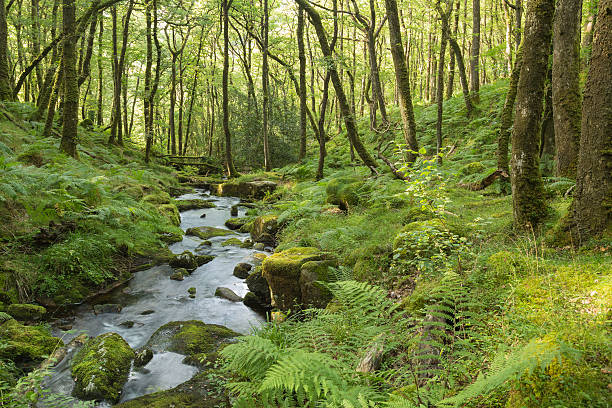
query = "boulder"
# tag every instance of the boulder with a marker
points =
(204, 259)
(157, 198)
(242, 270)
(128, 324)
(313, 294)
(246, 189)
(234, 211)
(259, 286)
(236, 223)
(227, 293)
(193, 204)
(107, 308)
(254, 302)
(26, 311)
(259, 246)
(192, 290)
(232, 242)
(143, 357)
(26, 345)
(101, 368)
(179, 274)
(171, 212)
(264, 229)
(208, 232)
(343, 191)
(282, 271)
(185, 260)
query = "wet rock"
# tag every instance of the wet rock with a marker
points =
(282, 272)
(247, 243)
(259, 257)
(259, 246)
(101, 368)
(194, 204)
(242, 270)
(179, 274)
(128, 324)
(204, 259)
(26, 345)
(171, 213)
(227, 293)
(143, 357)
(254, 302)
(64, 327)
(232, 242)
(259, 286)
(249, 189)
(107, 308)
(236, 223)
(313, 294)
(203, 215)
(208, 232)
(264, 229)
(203, 245)
(185, 260)
(147, 312)
(234, 211)
(26, 311)
(192, 291)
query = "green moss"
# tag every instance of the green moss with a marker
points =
(26, 345)
(344, 192)
(26, 312)
(171, 212)
(193, 204)
(264, 229)
(208, 232)
(232, 242)
(101, 367)
(160, 197)
(472, 168)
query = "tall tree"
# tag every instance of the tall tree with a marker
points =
(592, 206)
(229, 162)
(265, 86)
(68, 144)
(302, 90)
(6, 92)
(565, 85)
(475, 51)
(528, 201)
(402, 78)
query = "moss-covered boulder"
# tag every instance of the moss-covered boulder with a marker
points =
(171, 212)
(179, 274)
(204, 259)
(282, 272)
(227, 293)
(264, 229)
(26, 345)
(191, 338)
(101, 368)
(242, 270)
(208, 232)
(232, 242)
(26, 312)
(246, 189)
(186, 260)
(193, 204)
(157, 198)
(254, 302)
(205, 390)
(258, 285)
(312, 273)
(343, 192)
(237, 223)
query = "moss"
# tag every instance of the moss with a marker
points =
(193, 204)
(343, 192)
(312, 274)
(160, 197)
(246, 189)
(472, 168)
(208, 232)
(232, 242)
(186, 260)
(26, 345)
(237, 223)
(171, 212)
(26, 312)
(101, 368)
(264, 229)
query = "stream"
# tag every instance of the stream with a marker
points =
(163, 300)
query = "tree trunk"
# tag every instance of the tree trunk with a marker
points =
(70, 113)
(402, 77)
(565, 85)
(171, 125)
(303, 103)
(592, 206)
(528, 201)
(229, 162)
(148, 131)
(475, 51)
(440, 86)
(506, 115)
(547, 130)
(100, 117)
(265, 90)
(6, 91)
(349, 119)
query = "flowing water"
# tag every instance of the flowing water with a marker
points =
(163, 300)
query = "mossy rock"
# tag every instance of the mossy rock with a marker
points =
(101, 368)
(237, 223)
(171, 212)
(282, 272)
(343, 192)
(208, 232)
(26, 345)
(193, 204)
(312, 273)
(232, 242)
(189, 337)
(472, 168)
(264, 229)
(246, 189)
(247, 227)
(420, 295)
(259, 285)
(157, 198)
(242, 270)
(203, 259)
(205, 390)
(26, 312)
(186, 260)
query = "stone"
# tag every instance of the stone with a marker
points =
(185, 260)
(204, 259)
(157, 198)
(193, 204)
(101, 368)
(254, 302)
(192, 291)
(208, 232)
(264, 229)
(128, 324)
(313, 294)
(203, 245)
(227, 293)
(256, 189)
(232, 242)
(242, 270)
(343, 191)
(26, 345)
(247, 243)
(259, 246)
(147, 312)
(234, 211)
(259, 286)
(107, 308)
(236, 223)
(171, 213)
(282, 272)
(203, 215)
(143, 357)
(179, 274)
(26, 311)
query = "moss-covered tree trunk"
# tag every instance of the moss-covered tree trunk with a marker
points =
(6, 92)
(565, 85)
(527, 191)
(345, 109)
(99, 115)
(475, 51)
(147, 81)
(302, 90)
(503, 138)
(402, 78)
(265, 88)
(70, 112)
(229, 162)
(593, 197)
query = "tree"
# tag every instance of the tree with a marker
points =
(265, 86)
(565, 85)
(528, 201)
(592, 206)
(6, 92)
(229, 162)
(475, 50)
(302, 88)
(68, 143)
(402, 78)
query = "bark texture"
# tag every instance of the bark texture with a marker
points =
(6, 93)
(70, 113)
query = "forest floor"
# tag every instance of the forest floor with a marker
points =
(535, 311)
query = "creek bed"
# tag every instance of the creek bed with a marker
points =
(153, 290)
